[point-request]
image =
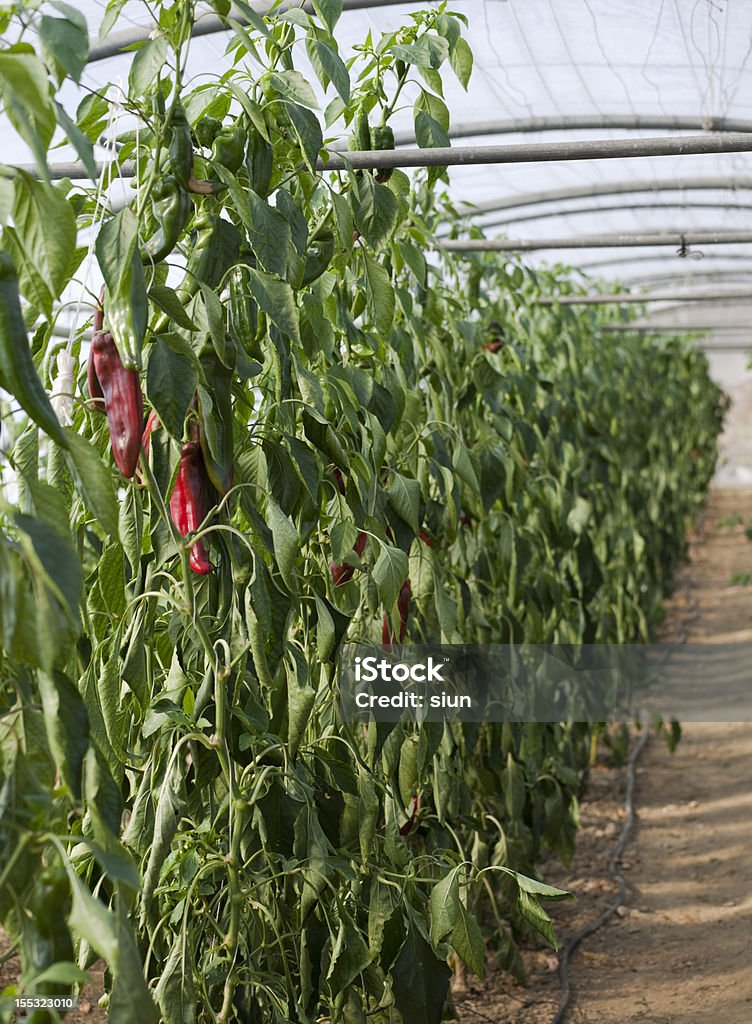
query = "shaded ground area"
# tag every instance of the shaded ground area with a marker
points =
(679, 951)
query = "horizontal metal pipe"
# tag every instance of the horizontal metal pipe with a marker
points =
(606, 188)
(117, 42)
(587, 122)
(597, 241)
(619, 300)
(546, 152)
(729, 276)
(600, 149)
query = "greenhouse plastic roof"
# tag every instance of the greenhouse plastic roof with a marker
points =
(566, 60)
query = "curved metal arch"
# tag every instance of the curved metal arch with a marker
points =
(211, 24)
(613, 188)
(587, 122)
(614, 208)
(643, 258)
(610, 241)
(690, 279)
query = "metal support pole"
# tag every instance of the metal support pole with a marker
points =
(541, 152)
(619, 300)
(116, 43)
(675, 238)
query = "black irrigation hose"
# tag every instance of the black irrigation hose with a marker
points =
(574, 943)
(615, 872)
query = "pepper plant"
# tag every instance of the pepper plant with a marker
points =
(344, 439)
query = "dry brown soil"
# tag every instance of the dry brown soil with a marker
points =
(680, 950)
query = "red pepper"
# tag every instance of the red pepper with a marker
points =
(189, 502)
(339, 478)
(120, 391)
(425, 538)
(403, 607)
(494, 346)
(344, 572)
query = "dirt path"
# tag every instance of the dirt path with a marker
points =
(680, 951)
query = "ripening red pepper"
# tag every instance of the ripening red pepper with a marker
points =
(151, 424)
(119, 391)
(494, 346)
(403, 607)
(189, 502)
(344, 572)
(425, 538)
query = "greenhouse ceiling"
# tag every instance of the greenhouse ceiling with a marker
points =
(554, 73)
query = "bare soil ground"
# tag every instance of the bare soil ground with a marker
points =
(680, 951)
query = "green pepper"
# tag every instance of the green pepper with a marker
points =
(216, 249)
(243, 313)
(383, 138)
(215, 419)
(229, 148)
(18, 375)
(206, 131)
(181, 147)
(260, 163)
(171, 206)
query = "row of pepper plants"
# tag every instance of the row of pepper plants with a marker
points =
(313, 433)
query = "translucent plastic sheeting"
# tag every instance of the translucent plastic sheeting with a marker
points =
(559, 59)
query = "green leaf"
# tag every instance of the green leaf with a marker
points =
(286, 538)
(375, 210)
(342, 537)
(171, 382)
(67, 725)
(83, 146)
(389, 573)
(292, 86)
(434, 106)
(26, 96)
(350, 955)
(62, 973)
(146, 66)
(56, 558)
(65, 42)
(276, 299)
(329, 12)
(269, 233)
(404, 497)
(94, 480)
(461, 60)
(536, 916)
(429, 134)
(325, 630)
(308, 131)
(430, 51)
(335, 69)
(420, 981)
(445, 905)
(467, 942)
(45, 232)
(168, 301)
(380, 294)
